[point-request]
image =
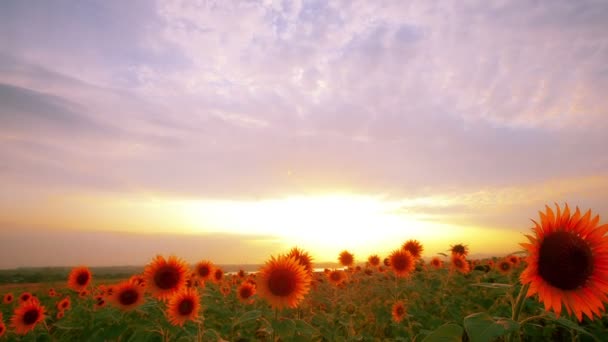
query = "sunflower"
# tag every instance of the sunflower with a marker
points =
(164, 277)
(241, 274)
(138, 280)
(436, 263)
(386, 262)
(346, 259)
(414, 247)
(336, 277)
(26, 316)
(2, 328)
(225, 289)
(245, 292)
(64, 304)
(24, 297)
(374, 260)
(283, 282)
(567, 263)
(79, 278)
(52, 292)
(504, 266)
(218, 275)
(60, 315)
(204, 270)
(183, 306)
(513, 259)
(127, 296)
(460, 263)
(459, 249)
(8, 298)
(398, 311)
(303, 258)
(402, 262)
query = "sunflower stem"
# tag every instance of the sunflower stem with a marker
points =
(520, 302)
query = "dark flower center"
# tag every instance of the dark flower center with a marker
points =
(459, 249)
(458, 263)
(400, 262)
(128, 297)
(565, 260)
(505, 266)
(25, 297)
(185, 307)
(31, 316)
(218, 275)
(203, 271)
(82, 278)
(245, 292)
(335, 276)
(64, 304)
(282, 282)
(166, 278)
(400, 310)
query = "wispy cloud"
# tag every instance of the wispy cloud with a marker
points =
(264, 99)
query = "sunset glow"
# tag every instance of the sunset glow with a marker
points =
(234, 130)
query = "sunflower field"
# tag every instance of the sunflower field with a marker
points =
(555, 290)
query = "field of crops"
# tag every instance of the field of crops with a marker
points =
(399, 297)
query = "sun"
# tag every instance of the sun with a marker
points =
(318, 222)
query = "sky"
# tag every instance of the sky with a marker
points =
(235, 130)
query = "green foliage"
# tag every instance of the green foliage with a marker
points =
(440, 306)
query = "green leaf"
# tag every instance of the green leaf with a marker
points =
(247, 316)
(482, 327)
(305, 329)
(284, 328)
(448, 332)
(571, 325)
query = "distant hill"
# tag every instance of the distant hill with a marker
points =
(54, 274)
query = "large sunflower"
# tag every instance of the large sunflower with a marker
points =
(127, 296)
(346, 259)
(245, 292)
(436, 263)
(303, 258)
(283, 282)
(505, 266)
(402, 262)
(8, 298)
(27, 316)
(204, 270)
(398, 311)
(460, 263)
(64, 304)
(414, 247)
(183, 306)
(79, 278)
(24, 297)
(336, 277)
(460, 249)
(374, 260)
(567, 263)
(164, 277)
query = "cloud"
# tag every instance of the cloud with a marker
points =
(259, 99)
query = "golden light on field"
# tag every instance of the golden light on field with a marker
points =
(322, 224)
